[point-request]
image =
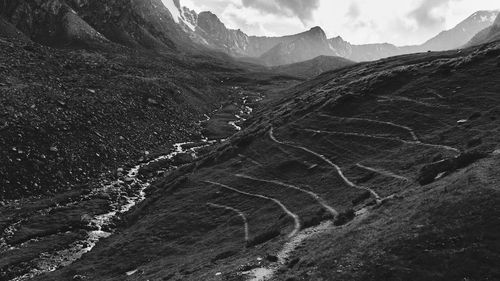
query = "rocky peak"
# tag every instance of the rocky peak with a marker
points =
(316, 33)
(209, 22)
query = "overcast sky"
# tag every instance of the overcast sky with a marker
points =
(400, 22)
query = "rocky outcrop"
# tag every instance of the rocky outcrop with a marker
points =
(431, 172)
(215, 35)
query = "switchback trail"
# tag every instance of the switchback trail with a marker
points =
(315, 196)
(322, 157)
(240, 213)
(266, 273)
(383, 172)
(295, 217)
(408, 129)
(445, 147)
(405, 99)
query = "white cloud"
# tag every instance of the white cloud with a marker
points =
(400, 22)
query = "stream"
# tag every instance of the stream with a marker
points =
(127, 191)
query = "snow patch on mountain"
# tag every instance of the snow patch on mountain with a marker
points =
(172, 8)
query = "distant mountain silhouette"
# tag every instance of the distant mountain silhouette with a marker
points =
(211, 32)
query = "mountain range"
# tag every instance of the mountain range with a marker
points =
(207, 29)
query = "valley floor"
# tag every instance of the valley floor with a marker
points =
(378, 171)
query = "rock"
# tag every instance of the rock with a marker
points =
(345, 217)
(271, 258)
(128, 180)
(152, 101)
(429, 172)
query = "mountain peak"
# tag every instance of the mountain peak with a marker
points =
(482, 16)
(317, 29)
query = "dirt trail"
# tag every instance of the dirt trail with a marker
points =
(322, 157)
(445, 147)
(408, 129)
(240, 213)
(405, 99)
(266, 273)
(383, 172)
(295, 217)
(315, 196)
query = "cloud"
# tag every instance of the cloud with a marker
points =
(425, 14)
(303, 9)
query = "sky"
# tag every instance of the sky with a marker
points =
(401, 22)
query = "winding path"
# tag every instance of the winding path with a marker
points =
(405, 99)
(315, 196)
(240, 213)
(408, 129)
(322, 157)
(295, 217)
(445, 147)
(383, 172)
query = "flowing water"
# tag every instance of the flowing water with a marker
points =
(131, 190)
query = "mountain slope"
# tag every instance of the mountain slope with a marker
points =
(302, 47)
(314, 67)
(372, 171)
(462, 33)
(489, 34)
(146, 24)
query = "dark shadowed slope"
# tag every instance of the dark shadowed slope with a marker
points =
(146, 24)
(404, 150)
(314, 67)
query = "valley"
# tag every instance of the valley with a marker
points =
(140, 140)
(43, 234)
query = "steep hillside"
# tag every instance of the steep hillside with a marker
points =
(377, 171)
(71, 115)
(136, 23)
(314, 67)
